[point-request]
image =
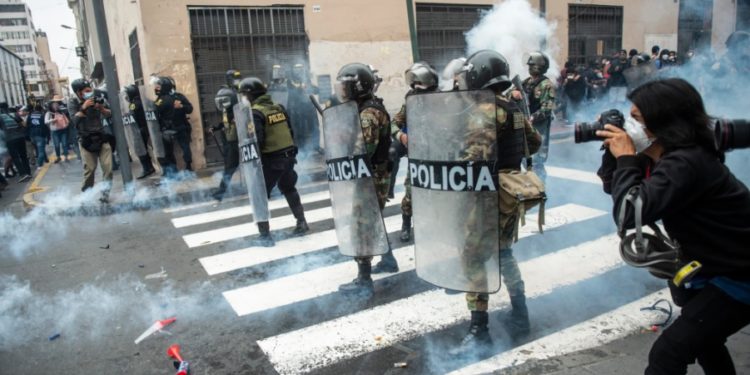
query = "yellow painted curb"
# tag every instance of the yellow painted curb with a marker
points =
(28, 197)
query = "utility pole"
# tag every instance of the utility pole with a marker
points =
(113, 88)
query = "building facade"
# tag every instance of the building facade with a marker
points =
(11, 78)
(19, 36)
(49, 71)
(196, 41)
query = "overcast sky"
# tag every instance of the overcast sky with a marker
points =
(49, 15)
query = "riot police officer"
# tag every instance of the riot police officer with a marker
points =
(489, 70)
(276, 142)
(540, 91)
(225, 100)
(358, 82)
(172, 109)
(421, 78)
(303, 115)
(136, 109)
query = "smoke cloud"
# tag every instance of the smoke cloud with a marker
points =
(93, 312)
(514, 29)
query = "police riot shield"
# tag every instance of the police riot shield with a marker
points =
(359, 222)
(250, 163)
(132, 132)
(154, 131)
(454, 189)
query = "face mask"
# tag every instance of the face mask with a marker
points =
(88, 95)
(637, 133)
(245, 101)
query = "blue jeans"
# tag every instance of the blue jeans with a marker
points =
(41, 152)
(60, 139)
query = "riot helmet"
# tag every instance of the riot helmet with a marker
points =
(80, 84)
(225, 99)
(131, 91)
(538, 63)
(738, 46)
(233, 78)
(421, 77)
(485, 69)
(252, 88)
(163, 86)
(277, 73)
(298, 72)
(450, 72)
(356, 81)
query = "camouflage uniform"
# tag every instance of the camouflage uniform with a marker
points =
(541, 94)
(479, 142)
(397, 124)
(373, 123)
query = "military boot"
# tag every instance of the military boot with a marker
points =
(148, 169)
(264, 239)
(387, 264)
(405, 228)
(295, 204)
(517, 321)
(362, 285)
(477, 341)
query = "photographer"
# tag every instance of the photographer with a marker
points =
(87, 113)
(672, 168)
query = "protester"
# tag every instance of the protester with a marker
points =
(58, 124)
(38, 133)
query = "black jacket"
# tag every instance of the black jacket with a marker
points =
(171, 118)
(702, 205)
(92, 123)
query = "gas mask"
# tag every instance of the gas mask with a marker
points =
(637, 133)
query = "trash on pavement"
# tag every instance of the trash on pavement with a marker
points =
(54, 337)
(156, 327)
(159, 275)
(182, 366)
(400, 365)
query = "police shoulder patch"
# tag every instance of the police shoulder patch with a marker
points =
(132, 107)
(502, 115)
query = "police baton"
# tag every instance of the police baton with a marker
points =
(525, 107)
(316, 104)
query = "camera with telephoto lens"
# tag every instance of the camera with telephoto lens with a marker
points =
(731, 134)
(586, 131)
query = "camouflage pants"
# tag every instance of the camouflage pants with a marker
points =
(406, 202)
(381, 179)
(538, 159)
(509, 270)
(511, 277)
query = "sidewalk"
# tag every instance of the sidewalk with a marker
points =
(57, 187)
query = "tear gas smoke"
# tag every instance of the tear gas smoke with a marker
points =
(93, 312)
(514, 29)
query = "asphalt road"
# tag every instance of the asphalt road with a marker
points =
(98, 282)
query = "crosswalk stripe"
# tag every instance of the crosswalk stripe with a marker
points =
(250, 256)
(619, 323)
(229, 213)
(241, 197)
(248, 229)
(573, 174)
(325, 280)
(353, 335)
